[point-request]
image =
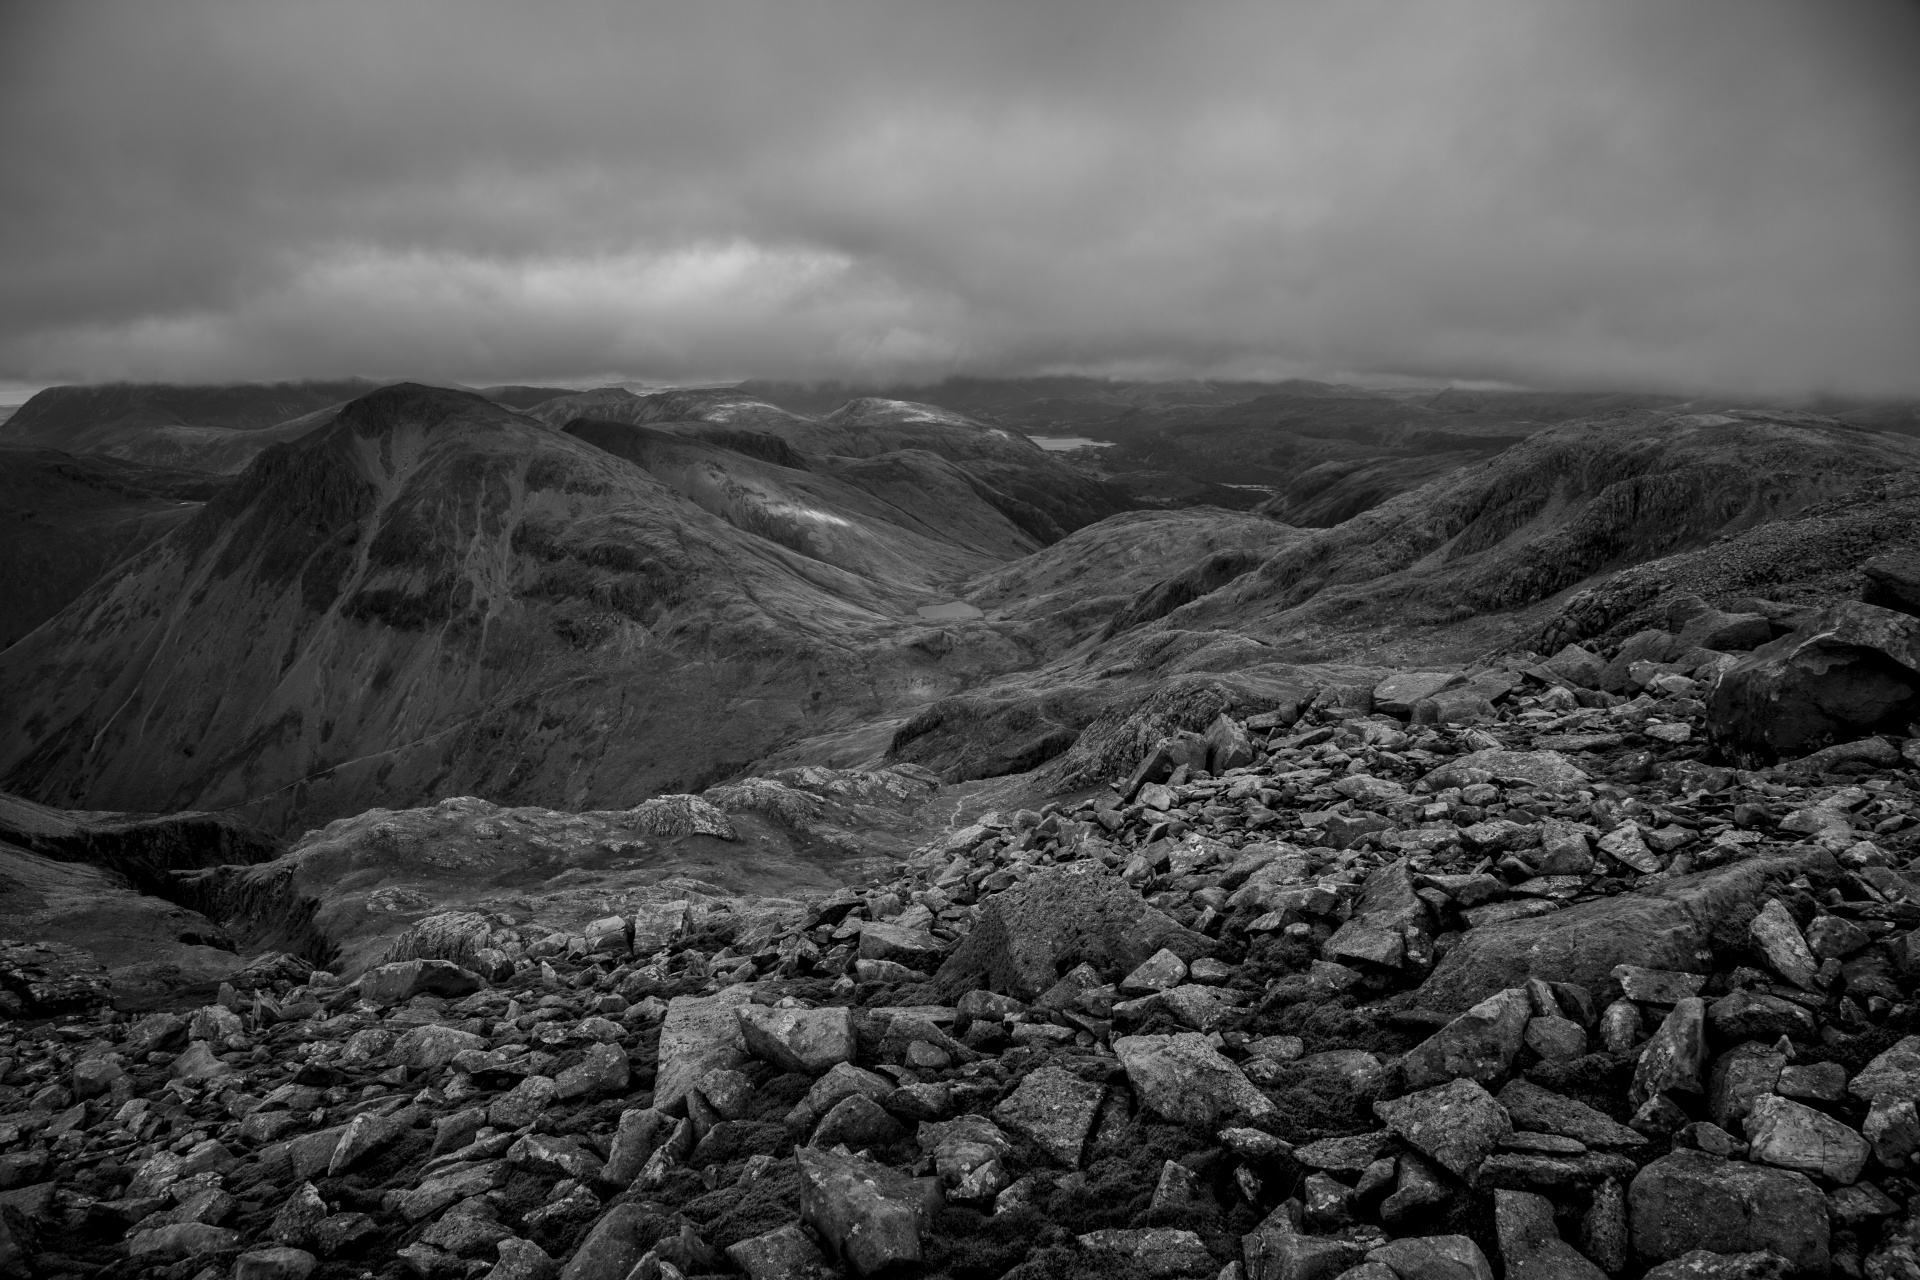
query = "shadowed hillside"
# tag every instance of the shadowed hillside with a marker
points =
(436, 595)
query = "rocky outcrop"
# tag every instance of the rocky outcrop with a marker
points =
(1209, 1026)
(1852, 672)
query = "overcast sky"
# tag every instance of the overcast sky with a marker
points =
(1719, 194)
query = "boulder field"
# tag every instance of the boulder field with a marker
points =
(1482, 973)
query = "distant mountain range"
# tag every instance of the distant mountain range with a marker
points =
(584, 598)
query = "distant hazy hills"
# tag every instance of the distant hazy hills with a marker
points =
(435, 594)
(598, 596)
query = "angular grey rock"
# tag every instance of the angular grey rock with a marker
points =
(199, 1062)
(784, 1253)
(454, 936)
(842, 1081)
(1556, 1039)
(699, 1034)
(1388, 905)
(303, 1211)
(1673, 927)
(1625, 844)
(1704, 1265)
(857, 1121)
(430, 1047)
(604, 1069)
(1690, 1200)
(522, 1104)
(807, 1040)
(1279, 1252)
(522, 1260)
(1161, 971)
(1530, 1244)
(1457, 1125)
(1228, 746)
(180, 1240)
(1852, 671)
(1055, 1109)
(391, 984)
(1675, 1056)
(1545, 770)
(1418, 1189)
(1892, 1129)
(364, 1134)
(1059, 917)
(1181, 1078)
(1831, 938)
(1785, 1133)
(1477, 1045)
(915, 948)
(278, 1263)
(1895, 1072)
(1542, 1111)
(1433, 1258)
(639, 1132)
(1161, 1252)
(1396, 695)
(611, 1248)
(1759, 1015)
(1577, 666)
(1777, 938)
(1604, 1235)
(870, 1217)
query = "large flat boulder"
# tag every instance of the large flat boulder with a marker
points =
(1059, 917)
(1674, 927)
(1691, 1200)
(1853, 671)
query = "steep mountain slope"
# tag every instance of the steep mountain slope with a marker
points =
(1485, 558)
(1575, 500)
(435, 596)
(204, 428)
(1081, 583)
(824, 516)
(65, 520)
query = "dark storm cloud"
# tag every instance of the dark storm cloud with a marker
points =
(1715, 193)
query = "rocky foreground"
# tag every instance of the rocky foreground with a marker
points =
(1461, 975)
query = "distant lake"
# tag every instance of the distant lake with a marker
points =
(1060, 444)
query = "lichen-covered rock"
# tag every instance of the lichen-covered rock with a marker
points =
(809, 1040)
(870, 1217)
(1456, 1125)
(1181, 1078)
(1056, 918)
(1690, 1200)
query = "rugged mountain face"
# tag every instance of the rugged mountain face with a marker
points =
(1742, 504)
(202, 428)
(1044, 497)
(942, 532)
(65, 520)
(1569, 502)
(434, 594)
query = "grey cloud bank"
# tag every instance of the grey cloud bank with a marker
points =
(1717, 194)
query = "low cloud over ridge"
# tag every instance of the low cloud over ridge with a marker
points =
(1718, 194)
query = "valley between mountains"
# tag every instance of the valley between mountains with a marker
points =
(763, 830)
